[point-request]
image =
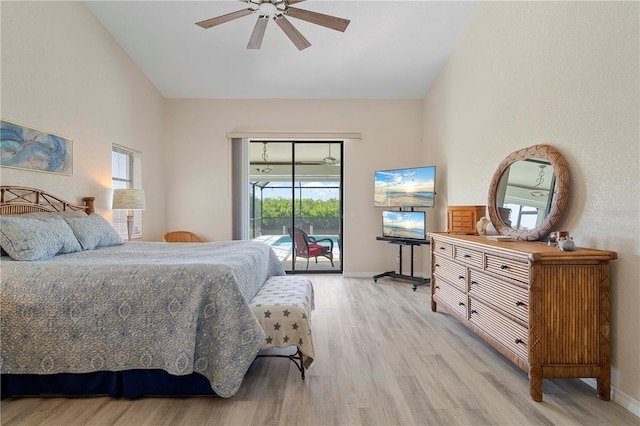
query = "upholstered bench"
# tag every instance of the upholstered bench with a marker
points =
(283, 307)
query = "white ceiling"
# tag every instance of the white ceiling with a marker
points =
(391, 49)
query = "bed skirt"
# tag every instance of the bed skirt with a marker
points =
(119, 384)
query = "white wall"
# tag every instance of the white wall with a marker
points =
(63, 73)
(566, 74)
(199, 189)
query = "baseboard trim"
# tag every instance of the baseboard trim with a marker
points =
(619, 397)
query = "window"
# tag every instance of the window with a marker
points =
(126, 173)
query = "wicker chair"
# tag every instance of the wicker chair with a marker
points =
(181, 237)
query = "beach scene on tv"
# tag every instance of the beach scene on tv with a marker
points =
(403, 225)
(413, 187)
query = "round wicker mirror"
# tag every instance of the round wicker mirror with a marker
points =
(554, 195)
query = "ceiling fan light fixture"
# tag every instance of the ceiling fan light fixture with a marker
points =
(268, 8)
(539, 181)
(330, 160)
(267, 168)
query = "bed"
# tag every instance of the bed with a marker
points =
(134, 319)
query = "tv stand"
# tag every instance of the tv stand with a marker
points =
(417, 281)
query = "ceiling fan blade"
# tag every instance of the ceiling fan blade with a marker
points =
(258, 32)
(208, 23)
(335, 23)
(291, 32)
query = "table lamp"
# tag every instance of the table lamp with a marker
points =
(130, 200)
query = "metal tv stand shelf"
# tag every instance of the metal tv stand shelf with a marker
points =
(417, 281)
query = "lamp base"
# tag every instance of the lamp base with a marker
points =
(129, 226)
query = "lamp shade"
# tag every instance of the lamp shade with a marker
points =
(128, 199)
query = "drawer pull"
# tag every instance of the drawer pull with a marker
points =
(473, 311)
(519, 303)
(461, 303)
(461, 277)
(474, 282)
(466, 256)
(437, 286)
(437, 264)
(442, 248)
(518, 340)
(503, 266)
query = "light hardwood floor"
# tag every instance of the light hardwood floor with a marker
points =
(383, 358)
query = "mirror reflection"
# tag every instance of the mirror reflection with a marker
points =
(524, 194)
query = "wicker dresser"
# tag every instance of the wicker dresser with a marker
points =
(545, 310)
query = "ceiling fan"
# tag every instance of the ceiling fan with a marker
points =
(329, 160)
(278, 10)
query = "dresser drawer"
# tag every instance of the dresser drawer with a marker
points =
(443, 249)
(462, 219)
(510, 334)
(451, 296)
(508, 268)
(451, 271)
(463, 228)
(509, 298)
(468, 256)
(458, 213)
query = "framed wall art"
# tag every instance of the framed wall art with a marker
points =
(31, 149)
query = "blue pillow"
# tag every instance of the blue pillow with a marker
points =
(36, 239)
(94, 231)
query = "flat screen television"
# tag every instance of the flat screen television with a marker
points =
(404, 225)
(413, 187)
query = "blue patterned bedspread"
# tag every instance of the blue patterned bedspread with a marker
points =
(179, 307)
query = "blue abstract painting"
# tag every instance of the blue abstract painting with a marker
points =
(33, 149)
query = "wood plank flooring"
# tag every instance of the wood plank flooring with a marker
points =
(382, 358)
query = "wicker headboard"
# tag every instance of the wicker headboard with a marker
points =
(20, 200)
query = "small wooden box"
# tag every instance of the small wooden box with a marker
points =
(463, 219)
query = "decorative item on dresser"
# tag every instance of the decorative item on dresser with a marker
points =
(463, 219)
(546, 310)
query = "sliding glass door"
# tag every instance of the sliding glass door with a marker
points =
(296, 202)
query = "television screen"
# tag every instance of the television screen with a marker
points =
(414, 187)
(404, 225)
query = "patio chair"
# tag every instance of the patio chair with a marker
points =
(307, 247)
(181, 237)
